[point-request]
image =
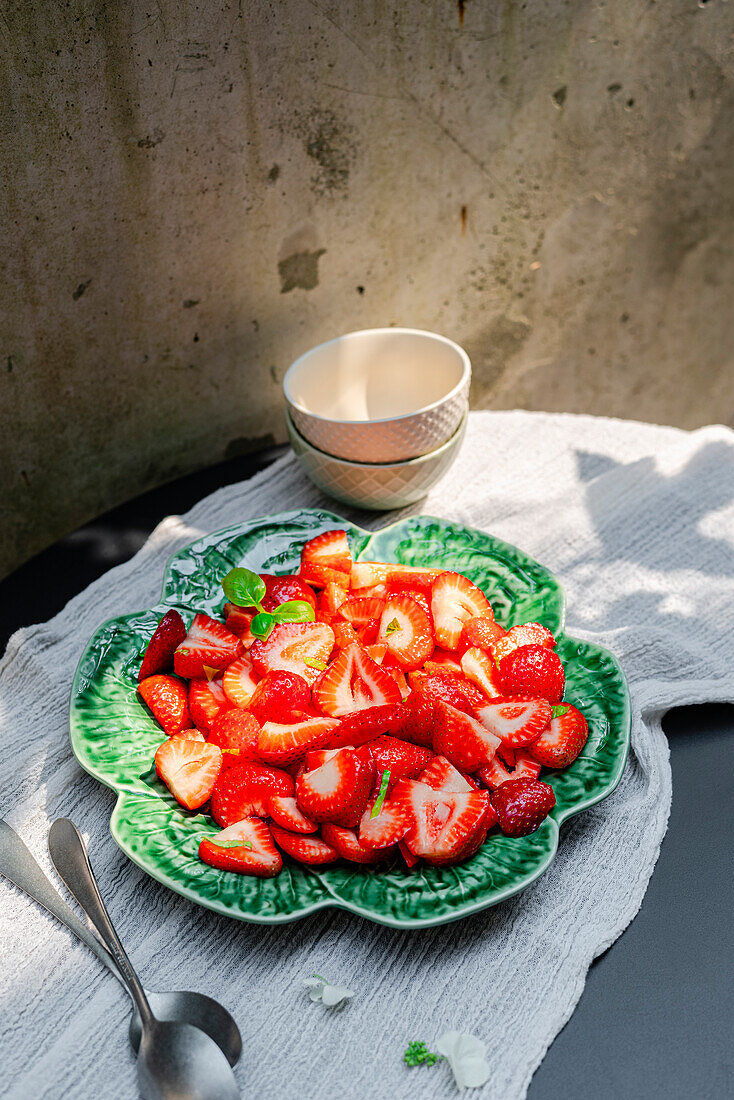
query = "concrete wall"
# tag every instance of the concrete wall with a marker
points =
(194, 193)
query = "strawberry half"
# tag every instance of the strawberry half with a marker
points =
(467, 743)
(533, 671)
(443, 827)
(283, 809)
(237, 620)
(480, 669)
(345, 842)
(280, 590)
(168, 635)
(352, 682)
(523, 634)
(332, 597)
(245, 790)
(494, 774)
(207, 646)
(255, 854)
(365, 725)
(330, 550)
(454, 600)
(441, 775)
(405, 628)
(206, 701)
(482, 632)
(283, 744)
(386, 828)
(311, 850)
(403, 759)
(338, 790)
(239, 681)
(189, 769)
(516, 722)
(236, 731)
(167, 698)
(446, 687)
(303, 648)
(281, 697)
(522, 805)
(559, 744)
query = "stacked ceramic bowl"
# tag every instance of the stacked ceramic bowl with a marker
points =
(377, 417)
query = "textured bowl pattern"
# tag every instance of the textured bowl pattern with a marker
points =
(375, 487)
(114, 737)
(394, 440)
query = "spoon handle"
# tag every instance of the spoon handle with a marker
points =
(69, 855)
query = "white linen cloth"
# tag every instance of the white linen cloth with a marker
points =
(637, 521)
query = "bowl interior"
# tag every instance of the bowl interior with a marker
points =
(377, 374)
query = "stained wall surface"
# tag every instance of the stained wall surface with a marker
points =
(195, 193)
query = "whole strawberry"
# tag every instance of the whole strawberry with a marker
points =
(522, 805)
(533, 671)
(168, 635)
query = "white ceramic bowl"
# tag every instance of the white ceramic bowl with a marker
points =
(376, 486)
(381, 395)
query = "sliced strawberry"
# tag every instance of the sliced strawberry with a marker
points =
(386, 828)
(533, 671)
(372, 592)
(188, 735)
(330, 550)
(516, 722)
(411, 581)
(462, 739)
(245, 790)
(283, 809)
(522, 805)
(236, 731)
(447, 660)
(167, 698)
(239, 681)
(523, 634)
(454, 600)
(365, 725)
(440, 668)
(399, 677)
(359, 611)
(207, 646)
(318, 576)
(344, 634)
(559, 744)
(352, 682)
(377, 652)
(311, 850)
(255, 855)
(189, 769)
(415, 720)
(445, 687)
(494, 774)
(480, 669)
(403, 759)
(281, 697)
(280, 590)
(206, 701)
(441, 775)
(314, 758)
(405, 629)
(481, 632)
(444, 827)
(303, 648)
(332, 597)
(410, 859)
(237, 620)
(365, 574)
(345, 842)
(158, 656)
(283, 744)
(338, 790)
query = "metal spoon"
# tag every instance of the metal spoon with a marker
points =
(19, 866)
(175, 1060)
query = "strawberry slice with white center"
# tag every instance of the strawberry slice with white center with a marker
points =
(493, 775)
(523, 634)
(189, 735)
(283, 744)
(330, 550)
(246, 847)
(285, 813)
(365, 574)
(441, 775)
(167, 698)
(245, 790)
(516, 722)
(454, 600)
(467, 743)
(338, 790)
(346, 843)
(344, 634)
(386, 828)
(480, 669)
(303, 648)
(206, 650)
(332, 597)
(352, 682)
(311, 850)
(360, 610)
(239, 681)
(206, 702)
(405, 628)
(559, 745)
(443, 826)
(189, 769)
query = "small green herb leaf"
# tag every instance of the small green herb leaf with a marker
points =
(230, 843)
(383, 791)
(294, 611)
(562, 708)
(313, 662)
(243, 587)
(392, 626)
(418, 1054)
(262, 624)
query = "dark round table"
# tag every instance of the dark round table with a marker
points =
(655, 1018)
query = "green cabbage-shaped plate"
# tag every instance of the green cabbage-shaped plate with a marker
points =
(114, 737)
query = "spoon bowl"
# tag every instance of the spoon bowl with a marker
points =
(179, 1062)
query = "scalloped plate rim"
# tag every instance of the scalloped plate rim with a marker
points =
(556, 818)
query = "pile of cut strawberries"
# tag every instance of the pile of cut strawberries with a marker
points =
(400, 717)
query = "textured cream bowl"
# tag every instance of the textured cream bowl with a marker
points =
(380, 395)
(376, 486)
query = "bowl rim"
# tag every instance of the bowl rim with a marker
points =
(401, 462)
(454, 392)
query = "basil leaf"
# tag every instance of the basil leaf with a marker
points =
(243, 587)
(294, 611)
(313, 662)
(392, 626)
(262, 624)
(383, 791)
(230, 843)
(562, 708)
